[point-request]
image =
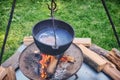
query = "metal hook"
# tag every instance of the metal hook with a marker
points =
(52, 7)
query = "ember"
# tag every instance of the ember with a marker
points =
(67, 59)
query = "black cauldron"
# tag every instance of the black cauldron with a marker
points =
(44, 30)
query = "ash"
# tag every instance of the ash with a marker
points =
(32, 61)
(61, 71)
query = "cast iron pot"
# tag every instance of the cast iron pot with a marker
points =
(48, 49)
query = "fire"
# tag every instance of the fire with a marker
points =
(67, 59)
(44, 64)
(63, 59)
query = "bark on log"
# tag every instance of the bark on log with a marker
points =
(114, 57)
(92, 58)
(112, 72)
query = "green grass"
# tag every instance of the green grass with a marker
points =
(87, 17)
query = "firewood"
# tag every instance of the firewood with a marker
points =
(83, 41)
(92, 58)
(111, 71)
(7, 73)
(114, 57)
(99, 63)
(28, 40)
(116, 51)
(3, 73)
(67, 58)
(52, 66)
(101, 52)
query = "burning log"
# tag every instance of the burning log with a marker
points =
(53, 63)
(67, 59)
(44, 64)
(49, 64)
(52, 66)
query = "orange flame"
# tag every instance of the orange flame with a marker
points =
(44, 64)
(67, 59)
(63, 59)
